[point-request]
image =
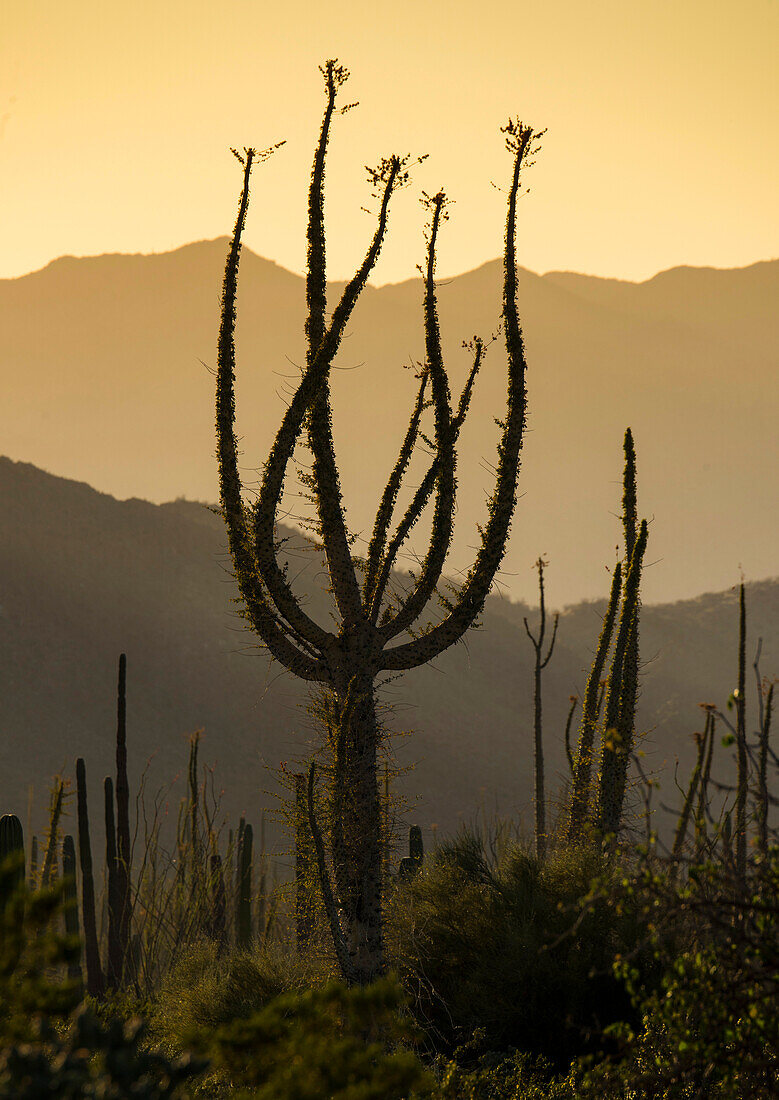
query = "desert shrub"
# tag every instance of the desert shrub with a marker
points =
(49, 1047)
(712, 1027)
(499, 943)
(91, 1059)
(33, 957)
(331, 1043)
(500, 1076)
(207, 988)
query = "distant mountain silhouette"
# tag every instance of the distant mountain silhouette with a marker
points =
(106, 379)
(84, 577)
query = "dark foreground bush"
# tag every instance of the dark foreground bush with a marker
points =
(487, 943)
(91, 1059)
(48, 1046)
(711, 1029)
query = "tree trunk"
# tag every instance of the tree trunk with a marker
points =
(355, 827)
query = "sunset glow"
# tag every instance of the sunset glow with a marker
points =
(116, 123)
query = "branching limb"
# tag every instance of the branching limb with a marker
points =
(573, 699)
(503, 501)
(420, 499)
(339, 941)
(262, 618)
(326, 482)
(390, 495)
(582, 774)
(616, 750)
(443, 515)
(315, 376)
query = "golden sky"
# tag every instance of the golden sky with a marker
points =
(116, 122)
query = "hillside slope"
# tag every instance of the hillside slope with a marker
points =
(84, 577)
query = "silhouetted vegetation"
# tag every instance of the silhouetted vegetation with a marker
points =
(594, 961)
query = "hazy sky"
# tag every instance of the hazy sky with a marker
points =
(116, 122)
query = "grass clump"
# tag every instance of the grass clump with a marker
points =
(207, 989)
(327, 1043)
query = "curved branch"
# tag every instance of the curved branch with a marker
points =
(421, 496)
(618, 721)
(390, 495)
(327, 489)
(582, 772)
(503, 501)
(262, 618)
(443, 515)
(339, 941)
(314, 377)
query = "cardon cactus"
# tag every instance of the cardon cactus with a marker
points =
(114, 969)
(12, 844)
(71, 901)
(244, 922)
(123, 848)
(217, 921)
(95, 979)
(11, 836)
(411, 864)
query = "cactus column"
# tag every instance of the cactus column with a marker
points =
(95, 979)
(71, 903)
(122, 820)
(621, 692)
(114, 967)
(244, 912)
(12, 844)
(540, 664)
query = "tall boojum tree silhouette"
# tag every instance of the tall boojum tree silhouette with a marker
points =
(347, 663)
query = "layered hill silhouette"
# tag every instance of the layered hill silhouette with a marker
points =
(84, 577)
(107, 378)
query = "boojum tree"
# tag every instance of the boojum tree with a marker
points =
(347, 663)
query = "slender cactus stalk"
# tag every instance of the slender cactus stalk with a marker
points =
(71, 902)
(582, 772)
(34, 863)
(194, 801)
(741, 742)
(701, 829)
(411, 864)
(540, 663)
(95, 979)
(52, 841)
(218, 922)
(680, 833)
(762, 777)
(244, 931)
(573, 700)
(620, 703)
(114, 967)
(629, 690)
(123, 853)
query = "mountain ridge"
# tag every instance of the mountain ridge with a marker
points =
(107, 378)
(551, 273)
